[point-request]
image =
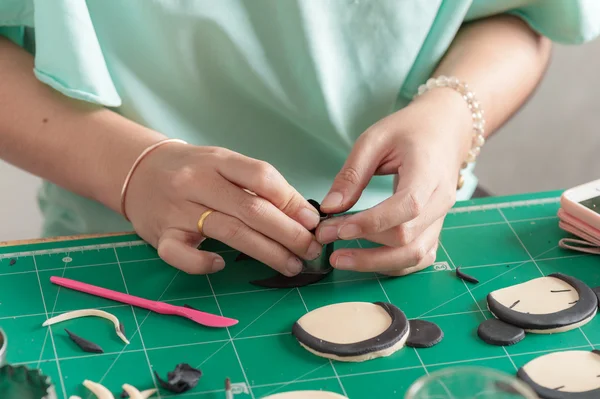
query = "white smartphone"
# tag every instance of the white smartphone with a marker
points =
(583, 202)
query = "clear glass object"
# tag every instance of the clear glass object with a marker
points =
(3, 344)
(469, 383)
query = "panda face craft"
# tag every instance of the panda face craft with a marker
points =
(571, 374)
(551, 304)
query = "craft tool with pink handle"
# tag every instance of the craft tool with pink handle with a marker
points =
(206, 319)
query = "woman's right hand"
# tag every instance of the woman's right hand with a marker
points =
(175, 184)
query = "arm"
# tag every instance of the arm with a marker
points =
(502, 60)
(89, 150)
(84, 148)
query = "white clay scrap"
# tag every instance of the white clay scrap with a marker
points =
(306, 395)
(85, 313)
(102, 392)
(99, 390)
(134, 393)
(148, 393)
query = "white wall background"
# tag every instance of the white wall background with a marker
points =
(553, 143)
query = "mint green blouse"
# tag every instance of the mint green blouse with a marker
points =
(291, 82)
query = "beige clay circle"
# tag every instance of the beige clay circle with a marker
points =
(347, 322)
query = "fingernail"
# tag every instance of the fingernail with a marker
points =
(332, 200)
(309, 219)
(314, 250)
(345, 263)
(328, 234)
(349, 231)
(294, 266)
(218, 264)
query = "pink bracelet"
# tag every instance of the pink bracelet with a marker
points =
(135, 165)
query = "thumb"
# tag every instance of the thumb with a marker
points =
(351, 180)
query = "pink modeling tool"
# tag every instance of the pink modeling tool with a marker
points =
(206, 319)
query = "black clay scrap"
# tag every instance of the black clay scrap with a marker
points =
(182, 379)
(242, 256)
(466, 277)
(84, 344)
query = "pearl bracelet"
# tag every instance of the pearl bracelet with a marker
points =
(476, 113)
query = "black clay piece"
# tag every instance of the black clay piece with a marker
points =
(317, 207)
(302, 279)
(122, 328)
(12, 262)
(124, 394)
(242, 256)
(390, 337)
(84, 344)
(583, 309)
(553, 393)
(423, 334)
(322, 215)
(597, 292)
(466, 277)
(299, 280)
(182, 379)
(497, 332)
(189, 307)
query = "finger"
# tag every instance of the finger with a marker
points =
(357, 171)
(416, 268)
(410, 231)
(415, 188)
(264, 180)
(234, 233)
(327, 231)
(418, 254)
(438, 205)
(262, 216)
(179, 249)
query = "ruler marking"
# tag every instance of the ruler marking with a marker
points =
(501, 205)
(75, 249)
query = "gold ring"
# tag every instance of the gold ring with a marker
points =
(202, 219)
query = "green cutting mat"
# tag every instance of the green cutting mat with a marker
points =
(501, 241)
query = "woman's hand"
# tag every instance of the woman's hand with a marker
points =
(424, 145)
(174, 185)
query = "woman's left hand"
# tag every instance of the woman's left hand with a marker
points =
(424, 145)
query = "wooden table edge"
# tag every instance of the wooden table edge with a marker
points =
(61, 238)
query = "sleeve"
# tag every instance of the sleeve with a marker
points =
(68, 55)
(562, 21)
(15, 16)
